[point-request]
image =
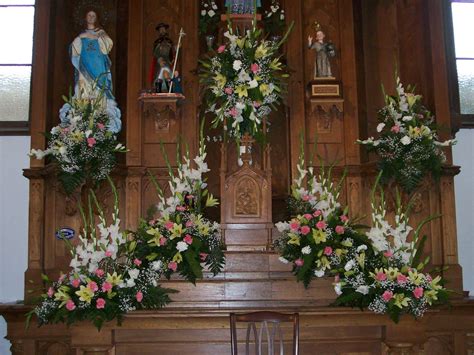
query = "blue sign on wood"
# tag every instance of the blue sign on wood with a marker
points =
(65, 233)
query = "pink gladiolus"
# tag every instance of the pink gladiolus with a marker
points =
(308, 216)
(388, 254)
(173, 266)
(181, 208)
(188, 239)
(76, 283)
(93, 286)
(339, 229)
(99, 272)
(401, 279)
(106, 286)
(254, 68)
(395, 129)
(344, 218)
(299, 262)
(221, 49)
(100, 126)
(139, 296)
(294, 226)
(70, 305)
(228, 91)
(203, 256)
(50, 292)
(100, 303)
(317, 213)
(91, 142)
(108, 253)
(137, 262)
(387, 295)
(381, 276)
(233, 112)
(418, 292)
(305, 230)
(169, 225)
(189, 224)
(162, 241)
(321, 225)
(327, 251)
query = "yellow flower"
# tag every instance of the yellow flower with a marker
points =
(77, 136)
(203, 229)
(85, 294)
(361, 260)
(261, 51)
(275, 64)
(346, 243)
(391, 273)
(431, 296)
(241, 90)
(178, 257)
(220, 80)
(412, 99)
(319, 236)
(241, 42)
(339, 252)
(415, 277)
(176, 231)
(114, 279)
(435, 283)
(294, 239)
(265, 89)
(414, 132)
(62, 295)
(400, 300)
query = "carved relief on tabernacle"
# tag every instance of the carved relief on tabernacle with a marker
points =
(247, 198)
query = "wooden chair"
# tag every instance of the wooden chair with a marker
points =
(265, 319)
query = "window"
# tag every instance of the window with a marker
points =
(16, 41)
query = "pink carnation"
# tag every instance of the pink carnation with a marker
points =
(401, 279)
(181, 208)
(327, 251)
(305, 230)
(203, 256)
(306, 198)
(106, 286)
(339, 229)
(395, 129)
(254, 68)
(108, 253)
(317, 213)
(344, 218)
(228, 91)
(188, 239)
(100, 126)
(388, 254)
(70, 305)
(137, 262)
(139, 296)
(93, 286)
(76, 283)
(173, 266)
(100, 303)
(99, 272)
(308, 216)
(169, 225)
(162, 241)
(299, 262)
(91, 141)
(50, 292)
(294, 226)
(387, 295)
(321, 225)
(418, 292)
(189, 224)
(381, 276)
(221, 49)
(233, 112)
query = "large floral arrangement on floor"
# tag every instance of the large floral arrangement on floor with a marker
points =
(243, 81)
(106, 279)
(317, 238)
(408, 144)
(391, 280)
(82, 145)
(180, 238)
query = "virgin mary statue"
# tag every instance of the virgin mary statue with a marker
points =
(90, 57)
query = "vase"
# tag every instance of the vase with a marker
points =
(210, 41)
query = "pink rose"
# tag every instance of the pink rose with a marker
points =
(189, 224)
(99, 272)
(306, 198)
(233, 112)
(418, 292)
(181, 208)
(254, 68)
(299, 262)
(91, 141)
(162, 241)
(395, 129)
(100, 303)
(327, 251)
(308, 216)
(50, 292)
(339, 229)
(388, 254)
(139, 296)
(401, 279)
(387, 295)
(188, 239)
(305, 230)
(108, 253)
(106, 286)
(381, 276)
(173, 266)
(70, 305)
(137, 262)
(76, 283)
(92, 286)
(100, 126)
(228, 91)
(169, 225)
(317, 213)
(294, 226)
(344, 218)
(321, 225)
(203, 256)
(221, 49)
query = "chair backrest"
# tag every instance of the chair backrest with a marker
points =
(274, 334)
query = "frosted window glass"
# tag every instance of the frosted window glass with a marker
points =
(466, 85)
(16, 34)
(14, 93)
(463, 24)
(17, 2)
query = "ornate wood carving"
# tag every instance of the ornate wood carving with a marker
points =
(247, 198)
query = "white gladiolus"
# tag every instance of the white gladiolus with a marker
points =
(203, 12)
(349, 265)
(363, 289)
(237, 65)
(380, 127)
(253, 84)
(211, 13)
(337, 289)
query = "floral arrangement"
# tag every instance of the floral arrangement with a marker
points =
(274, 18)
(408, 144)
(82, 145)
(244, 80)
(106, 279)
(209, 18)
(181, 238)
(391, 280)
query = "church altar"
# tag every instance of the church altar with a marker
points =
(372, 39)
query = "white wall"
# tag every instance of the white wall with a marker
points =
(463, 154)
(13, 222)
